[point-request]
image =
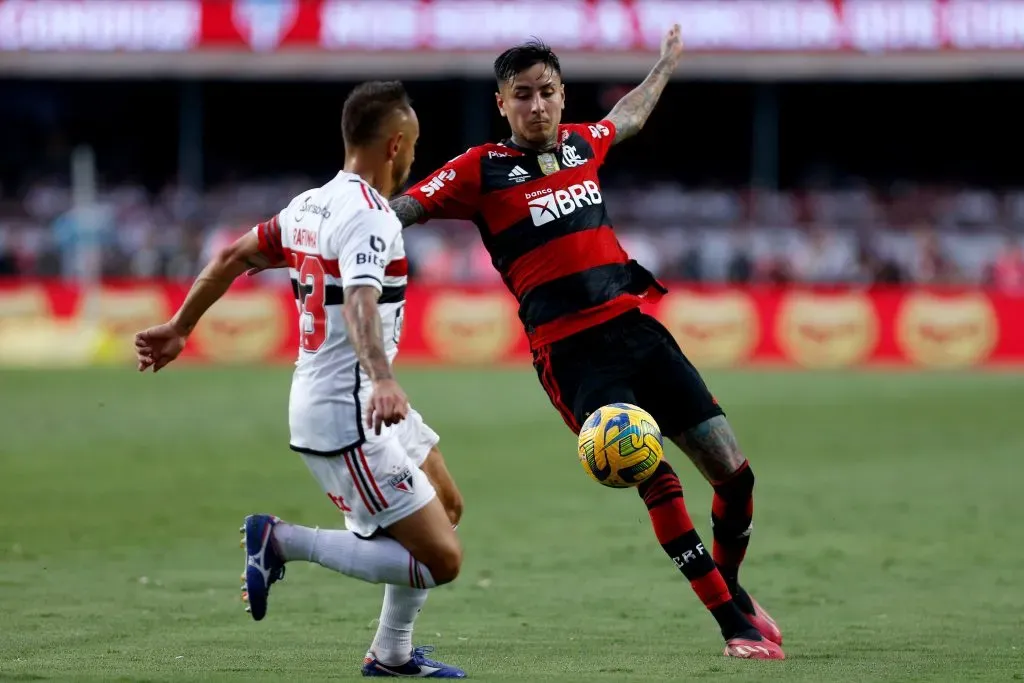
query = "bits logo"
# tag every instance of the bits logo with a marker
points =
(947, 330)
(23, 303)
(715, 329)
(471, 328)
(118, 315)
(547, 205)
(243, 326)
(31, 335)
(827, 330)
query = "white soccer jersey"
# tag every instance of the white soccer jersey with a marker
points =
(340, 235)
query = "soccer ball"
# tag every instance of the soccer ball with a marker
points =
(620, 445)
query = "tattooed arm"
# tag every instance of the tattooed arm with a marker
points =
(388, 404)
(408, 210)
(362, 318)
(631, 112)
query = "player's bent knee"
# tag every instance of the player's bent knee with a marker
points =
(429, 537)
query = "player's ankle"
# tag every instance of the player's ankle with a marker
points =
(293, 542)
(732, 622)
(731, 576)
(391, 657)
(749, 634)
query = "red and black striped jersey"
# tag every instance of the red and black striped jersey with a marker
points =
(543, 219)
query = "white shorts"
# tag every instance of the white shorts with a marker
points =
(380, 482)
(416, 436)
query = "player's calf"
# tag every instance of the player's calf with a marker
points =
(662, 493)
(712, 447)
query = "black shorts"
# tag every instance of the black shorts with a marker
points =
(631, 358)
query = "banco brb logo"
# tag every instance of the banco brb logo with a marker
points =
(547, 205)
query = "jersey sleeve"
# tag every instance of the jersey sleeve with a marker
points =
(269, 235)
(452, 191)
(600, 135)
(364, 248)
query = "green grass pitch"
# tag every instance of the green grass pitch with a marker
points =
(888, 539)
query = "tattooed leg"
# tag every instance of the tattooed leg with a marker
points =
(712, 447)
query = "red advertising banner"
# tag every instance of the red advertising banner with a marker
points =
(44, 323)
(866, 26)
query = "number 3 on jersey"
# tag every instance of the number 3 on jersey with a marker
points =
(312, 314)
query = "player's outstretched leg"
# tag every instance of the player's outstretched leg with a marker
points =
(712, 447)
(663, 495)
(425, 534)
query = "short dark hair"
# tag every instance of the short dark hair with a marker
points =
(518, 59)
(367, 107)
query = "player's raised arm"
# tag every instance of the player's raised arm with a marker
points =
(258, 249)
(631, 112)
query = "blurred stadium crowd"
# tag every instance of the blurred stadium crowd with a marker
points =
(871, 187)
(905, 233)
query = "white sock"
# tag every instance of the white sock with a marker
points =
(393, 643)
(378, 560)
(295, 542)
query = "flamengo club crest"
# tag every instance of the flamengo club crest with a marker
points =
(264, 23)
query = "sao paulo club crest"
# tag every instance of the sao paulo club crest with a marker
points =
(264, 23)
(401, 481)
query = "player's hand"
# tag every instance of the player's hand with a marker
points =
(672, 44)
(388, 405)
(158, 346)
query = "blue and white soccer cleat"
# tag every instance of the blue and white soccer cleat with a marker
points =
(417, 667)
(263, 566)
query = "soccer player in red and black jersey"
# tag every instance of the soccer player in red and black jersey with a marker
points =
(537, 202)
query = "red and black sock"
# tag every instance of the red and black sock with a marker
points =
(663, 495)
(732, 513)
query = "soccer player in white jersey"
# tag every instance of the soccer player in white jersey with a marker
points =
(348, 417)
